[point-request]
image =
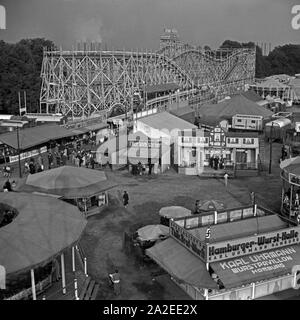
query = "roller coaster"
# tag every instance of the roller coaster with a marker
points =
(80, 83)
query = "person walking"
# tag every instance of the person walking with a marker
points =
(226, 179)
(125, 199)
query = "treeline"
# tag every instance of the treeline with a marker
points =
(20, 68)
(282, 60)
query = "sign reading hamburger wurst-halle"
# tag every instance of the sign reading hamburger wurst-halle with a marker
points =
(253, 244)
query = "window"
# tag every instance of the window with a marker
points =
(228, 157)
(193, 152)
(248, 141)
(233, 140)
(253, 121)
(239, 120)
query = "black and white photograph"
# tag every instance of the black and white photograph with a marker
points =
(149, 153)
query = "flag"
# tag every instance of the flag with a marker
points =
(2, 278)
(207, 234)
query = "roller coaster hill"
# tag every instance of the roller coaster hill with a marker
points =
(80, 83)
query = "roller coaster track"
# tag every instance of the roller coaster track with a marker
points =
(79, 83)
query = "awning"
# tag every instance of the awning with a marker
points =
(31, 137)
(68, 182)
(94, 127)
(257, 267)
(181, 264)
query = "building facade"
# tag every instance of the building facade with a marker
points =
(196, 150)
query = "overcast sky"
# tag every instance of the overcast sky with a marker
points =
(139, 23)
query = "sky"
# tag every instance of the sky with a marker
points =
(132, 24)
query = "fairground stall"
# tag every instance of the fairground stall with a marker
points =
(290, 175)
(167, 213)
(30, 142)
(35, 234)
(237, 254)
(85, 188)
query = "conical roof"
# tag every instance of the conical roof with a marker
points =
(68, 182)
(43, 227)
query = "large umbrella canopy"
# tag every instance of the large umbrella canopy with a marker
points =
(291, 165)
(68, 182)
(174, 212)
(153, 232)
(43, 228)
(211, 205)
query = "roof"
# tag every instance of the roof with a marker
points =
(167, 121)
(35, 136)
(182, 111)
(271, 83)
(273, 263)
(252, 96)
(44, 227)
(241, 228)
(93, 127)
(161, 87)
(291, 166)
(68, 182)
(281, 122)
(181, 263)
(238, 104)
(139, 135)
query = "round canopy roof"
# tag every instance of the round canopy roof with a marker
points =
(174, 212)
(68, 182)
(211, 205)
(153, 232)
(44, 227)
(291, 166)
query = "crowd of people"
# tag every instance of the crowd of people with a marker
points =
(291, 203)
(216, 162)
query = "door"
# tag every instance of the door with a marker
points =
(241, 159)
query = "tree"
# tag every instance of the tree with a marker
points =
(20, 68)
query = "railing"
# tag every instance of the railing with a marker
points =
(167, 98)
(254, 290)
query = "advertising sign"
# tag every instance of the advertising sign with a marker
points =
(29, 154)
(253, 244)
(235, 215)
(188, 240)
(263, 265)
(209, 219)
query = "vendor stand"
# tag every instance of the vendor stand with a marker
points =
(85, 188)
(240, 253)
(40, 232)
(172, 212)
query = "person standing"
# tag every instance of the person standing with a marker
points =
(115, 280)
(50, 159)
(226, 179)
(125, 199)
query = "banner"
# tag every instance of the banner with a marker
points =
(253, 244)
(263, 265)
(29, 154)
(188, 240)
